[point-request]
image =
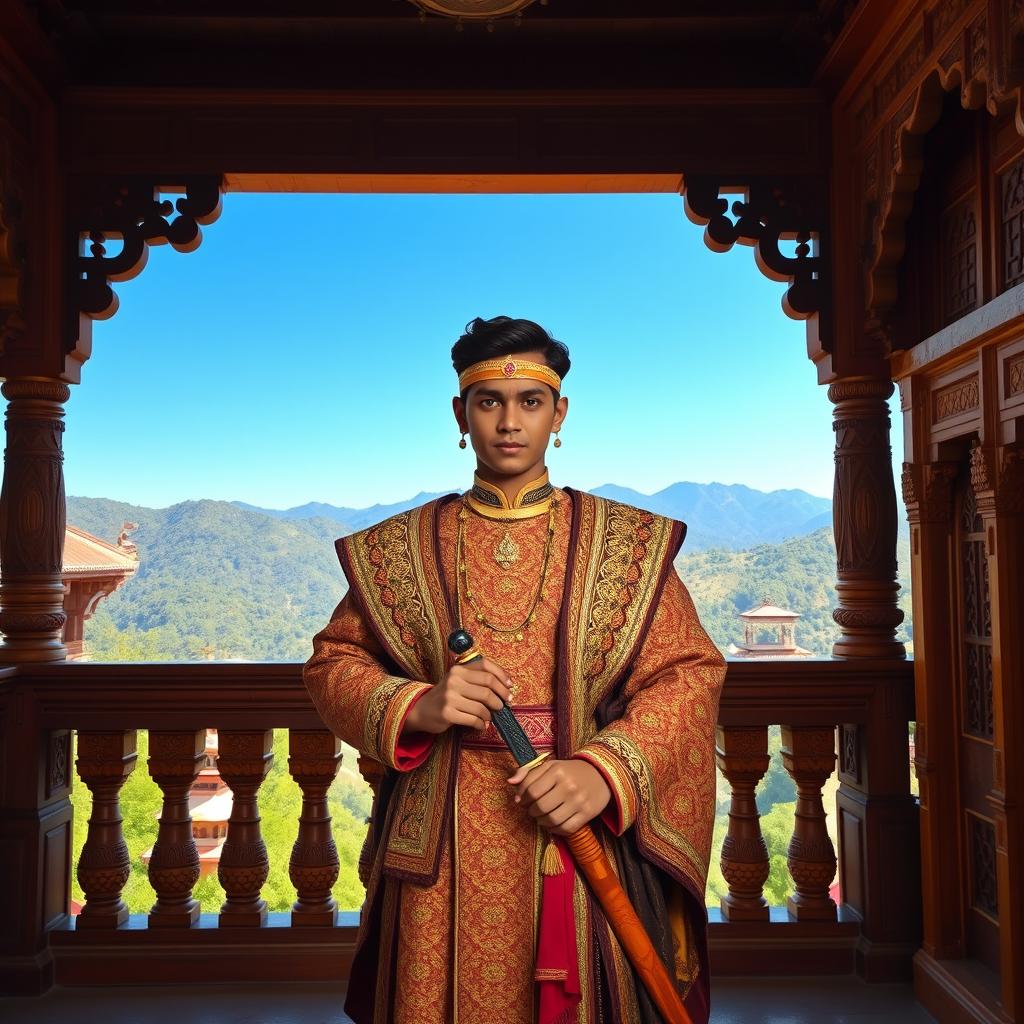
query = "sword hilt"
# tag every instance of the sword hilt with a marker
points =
(461, 644)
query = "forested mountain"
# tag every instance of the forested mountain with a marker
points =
(213, 576)
(798, 574)
(219, 580)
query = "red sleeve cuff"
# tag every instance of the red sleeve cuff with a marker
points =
(412, 748)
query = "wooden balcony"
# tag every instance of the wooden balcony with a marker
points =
(851, 712)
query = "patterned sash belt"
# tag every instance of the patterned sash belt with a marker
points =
(538, 721)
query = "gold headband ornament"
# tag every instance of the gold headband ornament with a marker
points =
(505, 368)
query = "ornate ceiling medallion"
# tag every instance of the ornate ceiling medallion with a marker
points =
(471, 10)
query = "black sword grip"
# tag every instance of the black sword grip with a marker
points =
(513, 734)
(509, 729)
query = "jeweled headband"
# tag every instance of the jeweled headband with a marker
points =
(506, 367)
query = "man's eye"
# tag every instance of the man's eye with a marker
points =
(486, 402)
(533, 402)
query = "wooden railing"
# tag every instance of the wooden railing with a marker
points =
(860, 709)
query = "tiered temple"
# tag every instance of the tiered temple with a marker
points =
(870, 154)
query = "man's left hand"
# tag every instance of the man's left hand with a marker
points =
(562, 795)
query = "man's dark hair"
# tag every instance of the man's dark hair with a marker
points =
(504, 336)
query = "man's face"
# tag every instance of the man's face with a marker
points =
(510, 421)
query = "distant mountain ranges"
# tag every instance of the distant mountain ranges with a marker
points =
(256, 584)
(730, 516)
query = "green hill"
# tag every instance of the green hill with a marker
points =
(214, 576)
(798, 573)
(237, 583)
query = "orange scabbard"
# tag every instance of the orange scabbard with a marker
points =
(632, 935)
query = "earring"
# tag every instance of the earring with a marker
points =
(462, 440)
(558, 440)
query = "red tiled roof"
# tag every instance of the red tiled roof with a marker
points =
(86, 554)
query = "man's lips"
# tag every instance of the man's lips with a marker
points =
(509, 445)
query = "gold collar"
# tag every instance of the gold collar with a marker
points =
(533, 499)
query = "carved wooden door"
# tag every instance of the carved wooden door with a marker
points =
(979, 889)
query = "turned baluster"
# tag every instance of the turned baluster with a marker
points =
(373, 774)
(243, 760)
(313, 759)
(742, 756)
(809, 755)
(174, 762)
(105, 760)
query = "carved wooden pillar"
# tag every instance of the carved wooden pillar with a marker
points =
(105, 760)
(864, 518)
(809, 756)
(373, 774)
(32, 520)
(314, 757)
(742, 756)
(928, 495)
(997, 476)
(174, 762)
(243, 759)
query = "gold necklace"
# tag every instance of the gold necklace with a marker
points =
(463, 588)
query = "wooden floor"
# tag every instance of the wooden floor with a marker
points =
(842, 1000)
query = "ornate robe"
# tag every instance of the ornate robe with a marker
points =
(614, 668)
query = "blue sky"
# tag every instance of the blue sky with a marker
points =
(302, 352)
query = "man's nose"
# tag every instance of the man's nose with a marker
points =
(509, 419)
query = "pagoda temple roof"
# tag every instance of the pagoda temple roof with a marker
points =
(88, 555)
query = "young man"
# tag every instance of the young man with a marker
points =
(473, 910)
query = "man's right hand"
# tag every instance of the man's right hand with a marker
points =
(467, 696)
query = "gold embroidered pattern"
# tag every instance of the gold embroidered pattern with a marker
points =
(618, 565)
(506, 553)
(627, 534)
(388, 552)
(630, 753)
(376, 708)
(421, 795)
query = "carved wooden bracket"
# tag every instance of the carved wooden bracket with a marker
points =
(983, 61)
(769, 212)
(138, 213)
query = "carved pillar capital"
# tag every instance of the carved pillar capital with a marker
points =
(864, 520)
(997, 478)
(928, 491)
(32, 521)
